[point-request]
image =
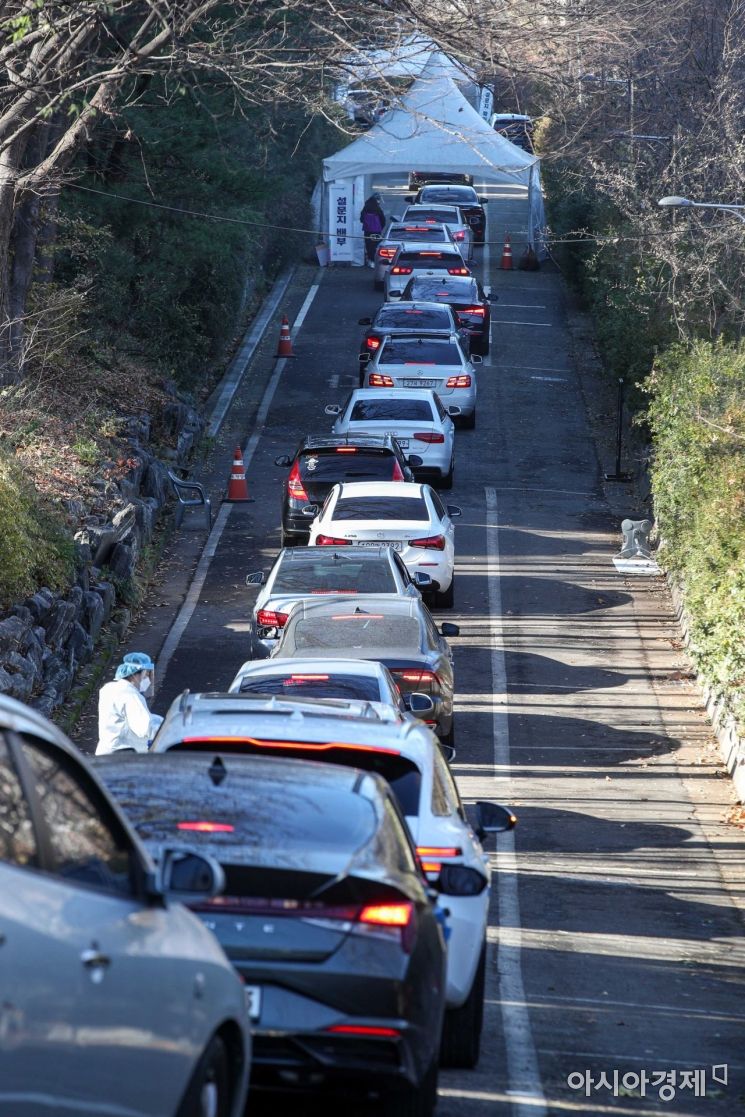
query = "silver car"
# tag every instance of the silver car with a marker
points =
(439, 363)
(452, 216)
(115, 1000)
(398, 232)
(421, 259)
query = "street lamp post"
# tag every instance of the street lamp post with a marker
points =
(675, 201)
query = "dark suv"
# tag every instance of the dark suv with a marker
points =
(321, 463)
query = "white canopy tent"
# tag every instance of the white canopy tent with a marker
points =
(435, 129)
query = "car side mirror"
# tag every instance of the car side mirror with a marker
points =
(453, 410)
(332, 409)
(283, 460)
(419, 704)
(460, 880)
(422, 580)
(475, 359)
(396, 219)
(490, 818)
(483, 201)
(448, 751)
(310, 510)
(364, 358)
(447, 628)
(255, 579)
(454, 511)
(187, 876)
(414, 461)
(364, 321)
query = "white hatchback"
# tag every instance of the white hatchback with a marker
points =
(409, 518)
(421, 259)
(439, 214)
(417, 418)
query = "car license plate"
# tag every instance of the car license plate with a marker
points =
(394, 544)
(420, 383)
(403, 443)
(253, 1001)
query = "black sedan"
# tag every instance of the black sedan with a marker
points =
(403, 319)
(400, 633)
(467, 299)
(325, 915)
(319, 463)
(465, 197)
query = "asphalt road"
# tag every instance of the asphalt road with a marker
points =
(616, 930)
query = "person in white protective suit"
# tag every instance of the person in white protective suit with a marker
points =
(124, 720)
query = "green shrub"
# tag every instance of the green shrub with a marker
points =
(34, 549)
(697, 418)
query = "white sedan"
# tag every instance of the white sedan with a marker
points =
(452, 216)
(438, 363)
(409, 518)
(417, 418)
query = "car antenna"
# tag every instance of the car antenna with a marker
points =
(217, 771)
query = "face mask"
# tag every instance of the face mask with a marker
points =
(144, 685)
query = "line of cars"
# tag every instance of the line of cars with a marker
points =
(307, 816)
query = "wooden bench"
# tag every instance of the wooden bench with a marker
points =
(191, 495)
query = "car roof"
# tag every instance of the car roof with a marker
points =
(373, 441)
(448, 280)
(379, 488)
(369, 668)
(427, 246)
(392, 393)
(300, 555)
(411, 304)
(433, 205)
(390, 606)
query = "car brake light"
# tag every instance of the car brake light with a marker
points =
(398, 270)
(295, 484)
(269, 619)
(422, 680)
(379, 380)
(437, 255)
(433, 542)
(478, 310)
(387, 915)
(363, 1030)
(429, 436)
(331, 541)
(427, 853)
(458, 381)
(398, 474)
(346, 449)
(386, 253)
(460, 235)
(305, 679)
(372, 342)
(204, 827)
(458, 271)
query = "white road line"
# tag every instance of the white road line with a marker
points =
(550, 379)
(333, 381)
(506, 323)
(523, 1074)
(190, 602)
(535, 368)
(522, 306)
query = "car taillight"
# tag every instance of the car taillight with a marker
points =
(202, 826)
(429, 436)
(460, 235)
(346, 449)
(379, 380)
(267, 618)
(372, 342)
(398, 270)
(433, 542)
(398, 473)
(410, 679)
(295, 484)
(386, 253)
(387, 915)
(458, 271)
(330, 541)
(458, 381)
(431, 857)
(477, 310)
(365, 1030)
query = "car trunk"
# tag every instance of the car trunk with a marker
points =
(394, 533)
(404, 432)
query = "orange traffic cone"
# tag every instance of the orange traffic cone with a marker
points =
(284, 349)
(506, 264)
(237, 487)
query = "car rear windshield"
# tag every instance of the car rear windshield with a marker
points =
(431, 259)
(359, 630)
(419, 351)
(346, 463)
(392, 317)
(381, 508)
(433, 213)
(451, 195)
(417, 232)
(390, 410)
(333, 573)
(436, 290)
(311, 685)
